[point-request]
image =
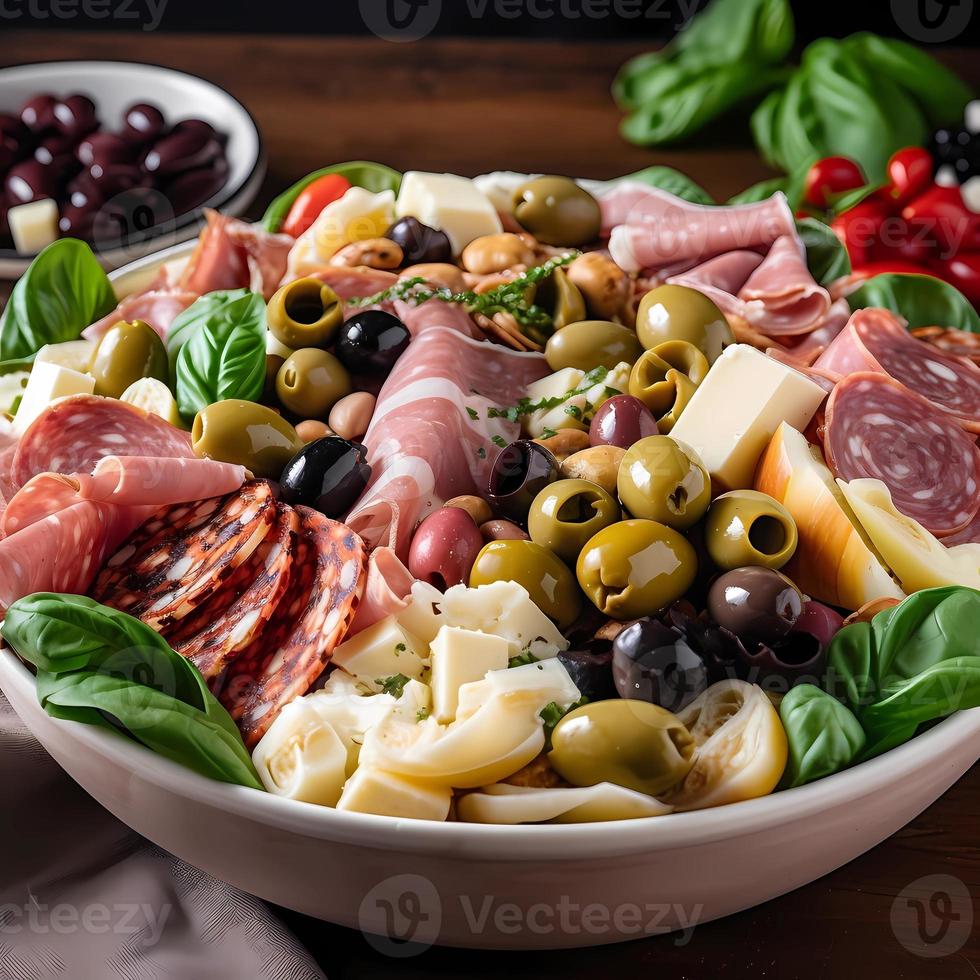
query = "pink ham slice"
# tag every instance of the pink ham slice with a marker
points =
(877, 428)
(386, 588)
(781, 297)
(721, 278)
(806, 348)
(158, 305)
(359, 282)
(877, 340)
(430, 438)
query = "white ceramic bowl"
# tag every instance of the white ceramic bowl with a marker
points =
(113, 85)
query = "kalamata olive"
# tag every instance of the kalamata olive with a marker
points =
(37, 113)
(819, 621)
(590, 668)
(75, 115)
(371, 342)
(181, 150)
(755, 602)
(328, 475)
(115, 178)
(520, 472)
(143, 122)
(55, 151)
(104, 149)
(129, 215)
(77, 221)
(29, 181)
(15, 140)
(653, 663)
(192, 188)
(796, 658)
(444, 547)
(195, 126)
(621, 421)
(419, 242)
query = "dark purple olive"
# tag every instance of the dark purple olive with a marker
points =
(56, 151)
(118, 177)
(590, 667)
(129, 216)
(755, 603)
(652, 662)
(371, 342)
(181, 150)
(75, 116)
(195, 126)
(83, 192)
(621, 421)
(192, 188)
(105, 150)
(15, 140)
(444, 547)
(797, 658)
(419, 242)
(143, 123)
(819, 621)
(77, 222)
(327, 474)
(29, 181)
(37, 113)
(520, 472)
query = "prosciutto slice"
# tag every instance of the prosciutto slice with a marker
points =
(159, 306)
(387, 587)
(721, 278)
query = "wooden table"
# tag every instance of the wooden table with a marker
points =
(470, 107)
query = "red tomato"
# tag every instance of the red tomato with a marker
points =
(961, 271)
(312, 200)
(829, 177)
(941, 216)
(869, 269)
(859, 227)
(909, 173)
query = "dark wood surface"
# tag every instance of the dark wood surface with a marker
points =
(473, 106)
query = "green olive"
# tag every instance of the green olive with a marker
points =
(548, 581)
(310, 381)
(239, 431)
(586, 344)
(630, 743)
(665, 377)
(663, 480)
(681, 313)
(567, 513)
(746, 527)
(305, 313)
(127, 352)
(636, 568)
(557, 211)
(561, 298)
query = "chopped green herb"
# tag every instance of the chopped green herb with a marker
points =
(552, 713)
(421, 714)
(472, 413)
(482, 453)
(574, 411)
(499, 441)
(523, 658)
(400, 648)
(394, 685)
(548, 433)
(525, 406)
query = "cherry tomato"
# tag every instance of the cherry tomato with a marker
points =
(898, 240)
(869, 269)
(312, 200)
(941, 216)
(858, 229)
(961, 271)
(909, 173)
(829, 177)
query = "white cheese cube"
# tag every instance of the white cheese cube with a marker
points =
(736, 409)
(415, 702)
(545, 682)
(74, 354)
(33, 226)
(449, 202)
(423, 616)
(372, 790)
(47, 383)
(381, 651)
(458, 657)
(555, 385)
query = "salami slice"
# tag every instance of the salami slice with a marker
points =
(73, 434)
(182, 556)
(877, 428)
(211, 636)
(876, 340)
(325, 585)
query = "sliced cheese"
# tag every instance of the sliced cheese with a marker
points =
(458, 657)
(275, 347)
(49, 382)
(351, 715)
(737, 408)
(152, 395)
(372, 790)
(449, 202)
(382, 650)
(74, 354)
(543, 682)
(415, 702)
(33, 226)
(575, 411)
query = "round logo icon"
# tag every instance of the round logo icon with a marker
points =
(400, 20)
(130, 218)
(401, 916)
(933, 916)
(933, 21)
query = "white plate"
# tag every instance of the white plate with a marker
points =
(114, 85)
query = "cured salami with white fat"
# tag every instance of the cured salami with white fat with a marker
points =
(877, 428)
(876, 340)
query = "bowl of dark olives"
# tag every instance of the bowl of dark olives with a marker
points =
(123, 156)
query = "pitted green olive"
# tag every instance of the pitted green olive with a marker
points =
(239, 431)
(128, 351)
(586, 344)
(557, 211)
(310, 381)
(746, 527)
(665, 377)
(630, 743)
(681, 313)
(663, 480)
(561, 298)
(567, 513)
(548, 581)
(305, 313)
(636, 568)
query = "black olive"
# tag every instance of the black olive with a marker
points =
(590, 668)
(143, 122)
(371, 342)
(419, 242)
(328, 475)
(651, 662)
(37, 113)
(755, 603)
(74, 116)
(520, 472)
(798, 657)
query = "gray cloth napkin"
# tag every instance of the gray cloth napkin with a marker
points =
(84, 898)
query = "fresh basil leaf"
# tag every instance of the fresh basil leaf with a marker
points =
(374, 177)
(824, 736)
(670, 180)
(826, 256)
(842, 202)
(922, 300)
(790, 184)
(761, 31)
(188, 322)
(224, 357)
(63, 291)
(851, 675)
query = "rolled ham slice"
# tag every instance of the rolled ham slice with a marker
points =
(877, 340)
(387, 590)
(158, 306)
(721, 278)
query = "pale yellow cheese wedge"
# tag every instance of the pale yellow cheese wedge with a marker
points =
(372, 790)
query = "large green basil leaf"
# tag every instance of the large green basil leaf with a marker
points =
(63, 291)
(220, 303)
(670, 180)
(824, 736)
(826, 256)
(922, 300)
(761, 31)
(224, 357)
(374, 177)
